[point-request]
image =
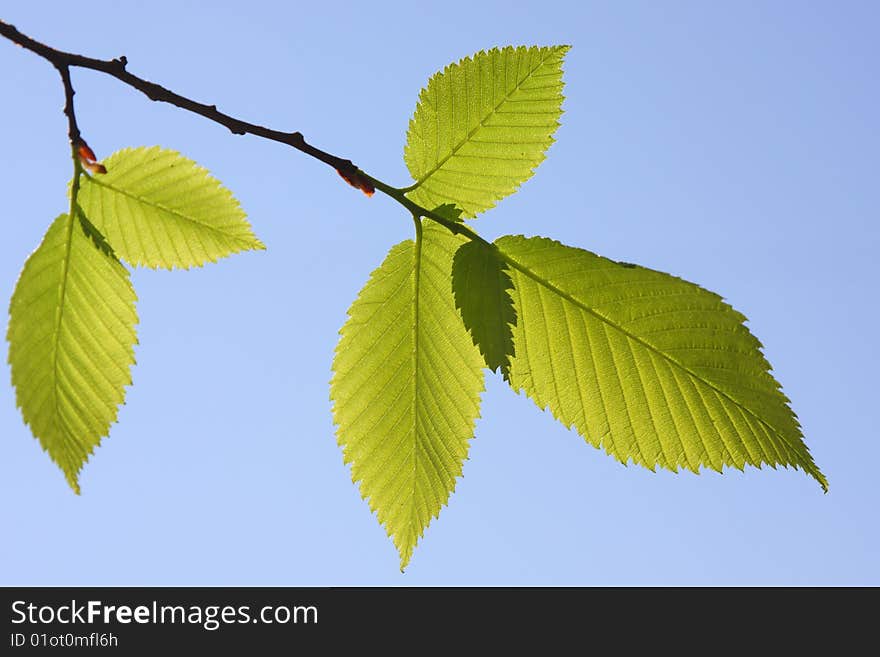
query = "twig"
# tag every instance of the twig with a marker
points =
(69, 112)
(117, 68)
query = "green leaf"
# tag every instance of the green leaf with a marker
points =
(482, 126)
(71, 342)
(652, 368)
(406, 387)
(480, 281)
(160, 209)
(449, 211)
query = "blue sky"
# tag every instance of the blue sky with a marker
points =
(733, 144)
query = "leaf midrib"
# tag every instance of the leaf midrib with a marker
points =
(480, 125)
(56, 338)
(140, 199)
(547, 284)
(417, 270)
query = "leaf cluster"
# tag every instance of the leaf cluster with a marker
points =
(652, 369)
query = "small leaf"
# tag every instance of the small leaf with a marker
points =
(71, 342)
(482, 126)
(449, 211)
(480, 281)
(653, 368)
(406, 387)
(160, 209)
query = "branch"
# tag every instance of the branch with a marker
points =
(72, 127)
(116, 68)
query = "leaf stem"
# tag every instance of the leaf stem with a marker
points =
(74, 184)
(399, 195)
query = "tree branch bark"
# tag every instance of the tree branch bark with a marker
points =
(116, 68)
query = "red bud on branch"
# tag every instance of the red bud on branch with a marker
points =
(357, 180)
(87, 158)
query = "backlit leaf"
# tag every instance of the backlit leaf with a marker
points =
(71, 342)
(652, 368)
(482, 125)
(160, 209)
(406, 387)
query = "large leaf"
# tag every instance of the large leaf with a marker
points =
(160, 209)
(653, 368)
(482, 126)
(480, 282)
(406, 387)
(71, 342)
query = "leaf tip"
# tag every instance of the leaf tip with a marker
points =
(816, 473)
(73, 481)
(808, 465)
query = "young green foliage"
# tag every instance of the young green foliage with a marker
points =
(72, 319)
(654, 369)
(71, 342)
(480, 281)
(160, 209)
(482, 125)
(406, 387)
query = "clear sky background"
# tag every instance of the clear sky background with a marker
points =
(734, 144)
